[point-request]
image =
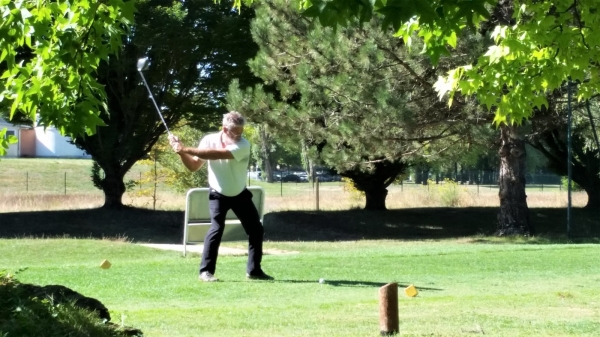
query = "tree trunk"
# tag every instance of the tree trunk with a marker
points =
(375, 182)
(513, 218)
(113, 188)
(376, 199)
(593, 202)
(308, 164)
(265, 154)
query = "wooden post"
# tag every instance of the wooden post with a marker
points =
(388, 310)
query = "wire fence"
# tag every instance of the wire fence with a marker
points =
(66, 182)
(69, 182)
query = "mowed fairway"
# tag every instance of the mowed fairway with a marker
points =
(466, 287)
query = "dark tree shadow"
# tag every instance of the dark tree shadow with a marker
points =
(359, 284)
(139, 225)
(142, 225)
(423, 223)
(345, 283)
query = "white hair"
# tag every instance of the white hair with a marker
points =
(233, 119)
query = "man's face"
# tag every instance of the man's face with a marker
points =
(234, 133)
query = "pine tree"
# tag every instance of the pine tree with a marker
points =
(360, 101)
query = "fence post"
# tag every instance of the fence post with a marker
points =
(317, 186)
(27, 181)
(65, 183)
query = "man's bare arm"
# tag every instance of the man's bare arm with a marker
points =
(207, 154)
(190, 162)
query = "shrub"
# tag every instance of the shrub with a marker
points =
(23, 314)
(355, 194)
(564, 181)
(447, 192)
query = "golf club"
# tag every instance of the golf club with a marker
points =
(142, 64)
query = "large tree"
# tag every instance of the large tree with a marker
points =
(196, 48)
(360, 100)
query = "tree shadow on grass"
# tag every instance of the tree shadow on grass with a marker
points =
(135, 224)
(345, 283)
(359, 284)
(143, 225)
(477, 223)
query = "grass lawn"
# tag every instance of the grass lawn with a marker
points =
(469, 282)
(466, 287)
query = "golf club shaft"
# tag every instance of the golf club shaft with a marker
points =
(153, 101)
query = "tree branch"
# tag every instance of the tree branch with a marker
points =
(405, 65)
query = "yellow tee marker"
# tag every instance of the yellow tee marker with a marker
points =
(411, 291)
(105, 264)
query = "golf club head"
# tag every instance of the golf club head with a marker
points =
(143, 64)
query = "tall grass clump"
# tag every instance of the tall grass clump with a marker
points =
(449, 192)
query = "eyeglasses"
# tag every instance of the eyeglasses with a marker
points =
(235, 135)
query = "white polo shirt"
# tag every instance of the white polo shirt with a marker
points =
(227, 176)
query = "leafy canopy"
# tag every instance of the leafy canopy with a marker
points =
(438, 20)
(49, 53)
(549, 44)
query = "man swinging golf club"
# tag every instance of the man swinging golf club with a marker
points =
(227, 154)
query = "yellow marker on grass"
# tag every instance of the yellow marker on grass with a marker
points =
(105, 264)
(411, 291)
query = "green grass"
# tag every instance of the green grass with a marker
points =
(500, 288)
(51, 175)
(48, 175)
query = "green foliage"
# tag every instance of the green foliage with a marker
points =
(96, 175)
(448, 192)
(5, 141)
(354, 96)
(548, 46)
(174, 172)
(439, 20)
(50, 53)
(355, 193)
(195, 48)
(24, 315)
(564, 181)
(150, 179)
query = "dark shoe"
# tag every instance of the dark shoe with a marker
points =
(259, 276)
(207, 277)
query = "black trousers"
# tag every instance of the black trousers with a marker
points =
(244, 209)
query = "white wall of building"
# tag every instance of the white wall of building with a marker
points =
(50, 143)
